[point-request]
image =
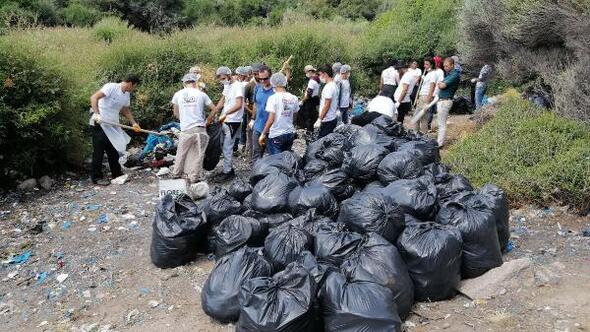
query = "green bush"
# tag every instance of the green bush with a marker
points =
(110, 28)
(40, 130)
(80, 14)
(535, 155)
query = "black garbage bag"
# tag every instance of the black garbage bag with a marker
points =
(438, 171)
(340, 184)
(461, 105)
(314, 196)
(432, 253)
(285, 244)
(362, 161)
(239, 189)
(283, 303)
(373, 212)
(452, 185)
(314, 168)
(347, 130)
(235, 232)
(351, 306)
(275, 219)
(313, 222)
(496, 200)
(399, 165)
(247, 203)
(410, 219)
(357, 136)
(179, 232)
(377, 136)
(477, 223)
(334, 245)
(389, 126)
(271, 194)
(318, 269)
(330, 149)
(287, 162)
(376, 260)
(219, 298)
(417, 197)
(425, 150)
(214, 147)
(373, 187)
(221, 205)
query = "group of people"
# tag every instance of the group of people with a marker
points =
(256, 110)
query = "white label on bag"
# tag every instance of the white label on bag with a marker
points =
(172, 186)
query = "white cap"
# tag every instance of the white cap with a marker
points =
(345, 69)
(309, 68)
(278, 79)
(336, 67)
(189, 78)
(194, 70)
(223, 71)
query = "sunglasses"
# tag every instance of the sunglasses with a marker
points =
(260, 79)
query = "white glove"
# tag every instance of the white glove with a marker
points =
(397, 105)
(474, 80)
(95, 118)
(250, 124)
(317, 123)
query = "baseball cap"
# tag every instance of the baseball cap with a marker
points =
(345, 69)
(309, 68)
(189, 78)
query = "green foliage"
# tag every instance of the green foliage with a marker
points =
(146, 15)
(80, 14)
(535, 155)
(40, 129)
(26, 13)
(110, 28)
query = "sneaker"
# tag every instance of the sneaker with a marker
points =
(101, 182)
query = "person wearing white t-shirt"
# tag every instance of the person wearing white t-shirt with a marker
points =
(402, 94)
(106, 105)
(389, 80)
(308, 114)
(416, 72)
(232, 104)
(328, 102)
(345, 96)
(281, 108)
(427, 93)
(188, 105)
(378, 106)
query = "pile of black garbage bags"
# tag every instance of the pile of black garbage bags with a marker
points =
(345, 238)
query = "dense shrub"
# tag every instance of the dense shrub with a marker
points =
(80, 14)
(110, 28)
(39, 128)
(535, 155)
(534, 40)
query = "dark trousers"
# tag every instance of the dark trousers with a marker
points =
(389, 90)
(403, 109)
(327, 128)
(344, 113)
(431, 112)
(365, 118)
(100, 145)
(281, 143)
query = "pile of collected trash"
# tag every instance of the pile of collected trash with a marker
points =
(158, 150)
(345, 238)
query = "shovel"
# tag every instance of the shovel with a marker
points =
(131, 128)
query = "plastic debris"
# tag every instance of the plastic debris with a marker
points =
(20, 259)
(62, 277)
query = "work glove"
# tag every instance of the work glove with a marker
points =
(136, 127)
(397, 104)
(474, 80)
(95, 118)
(317, 123)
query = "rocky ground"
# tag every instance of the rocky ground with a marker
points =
(76, 258)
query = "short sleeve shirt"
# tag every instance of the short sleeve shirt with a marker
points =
(383, 105)
(114, 100)
(344, 94)
(408, 79)
(430, 78)
(284, 105)
(330, 91)
(314, 86)
(191, 104)
(390, 76)
(452, 80)
(231, 94)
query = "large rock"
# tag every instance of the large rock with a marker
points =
(493, 282)
(46, 182)
(27, 185)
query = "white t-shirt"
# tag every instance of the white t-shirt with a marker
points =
(114, 100)
(314, 86)
(390, 76)
(283, 105)
(232, 92)
(330, 91)
(430, 78)
(408, 79)
(191, 104)
(416, 73)
(344, 96)
(383, 105)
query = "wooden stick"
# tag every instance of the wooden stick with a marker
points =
(131, 128)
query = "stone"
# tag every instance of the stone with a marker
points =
(492, 283)
(133, 316)
(546, 276)
(27, 185)
(586, 232)
(89, 327)
(163, 171)
(46, 182)
(120, 180)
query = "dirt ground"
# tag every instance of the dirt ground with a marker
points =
(98, 240)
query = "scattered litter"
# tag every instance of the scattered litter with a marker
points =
(66, 225)
(43, 323)
(133, 316)
(163, 171)
(92, 229)
(113, 193)
(86, 294)
(93, 207)
(62, 277)
(128, 216)
(11, 275)
(19, 259)
(120, 180)
(40, 277)
(103, 219)
(153, 303)
(586, 232)
(144, 290)
(509, 247)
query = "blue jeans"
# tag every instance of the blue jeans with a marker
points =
(281, 143)
(480, 91)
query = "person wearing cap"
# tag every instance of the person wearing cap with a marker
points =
(281, 108)
(389, 80)
(345, 95)
(106, 105)
(403, 102)
(328, 117)
(232, 105)
(249, 108)
(308, 114)
(242, 76)
(336, 70)
(263, 91)
(188, 105)
(196, 70)
(447, 87)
